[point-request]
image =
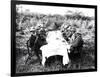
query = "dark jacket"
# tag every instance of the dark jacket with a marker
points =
(76, 42)
(31, 41)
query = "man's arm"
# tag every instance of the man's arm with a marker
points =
(76, 42)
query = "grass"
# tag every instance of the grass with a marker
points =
(86, 62)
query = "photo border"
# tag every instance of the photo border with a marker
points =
(13, 37)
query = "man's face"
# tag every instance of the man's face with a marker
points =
(69, 33)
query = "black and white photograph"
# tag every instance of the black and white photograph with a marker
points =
(52, 38)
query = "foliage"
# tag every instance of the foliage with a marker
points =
(26, 21)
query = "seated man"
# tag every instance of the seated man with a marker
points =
(34, 43)
(76, 42)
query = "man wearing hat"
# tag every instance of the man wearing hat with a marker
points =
(76, 42)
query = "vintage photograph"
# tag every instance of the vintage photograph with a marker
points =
(54, 38)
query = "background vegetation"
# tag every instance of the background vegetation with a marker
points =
(84, 25)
